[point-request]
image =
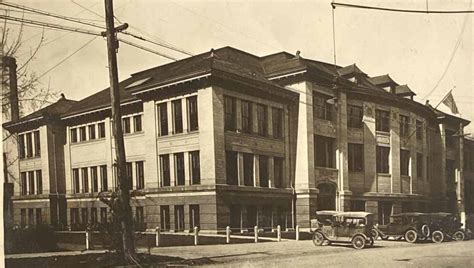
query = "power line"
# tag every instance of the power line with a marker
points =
(334, 4)
(50, 25)
(146, 49)
(66, 58)
(159, 44)
(41, 12)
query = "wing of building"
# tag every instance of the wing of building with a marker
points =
(227, 138)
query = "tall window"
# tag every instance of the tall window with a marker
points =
(179, 218)
(137, 123)
(92, 132)
(103, 215)
(23, 183)
(29, 145)
(404, 162)
(262, 120)
(75, 180)
(36, 135)
(31, 182)
(382, 120)
(165, 218)
(23, 217)
(278, 171)
(165, 169)
(103, 178)
(74, 216)
(277, 122)
(126, 125)
(382, 159)
(230, 116)
(21, 145)
(404, 126)
(94, 180)
(84, 215)
(194, 217)
(85, 180)
(177, 116)
(129, 172)
(39, 182)
(263, 170)
(354, 116)
(140, 175)
(356, 157)
(419, 165)
(94, 215)
(248, 169)
(246, 117)
(232, 173)
(321, 108)
(179, 163)
(101, 130)
(193, 113)
(163, 118)
(82, 133)
(73, 135)
(419, 130)
(31, 217)
(324, 151)
(195, 168)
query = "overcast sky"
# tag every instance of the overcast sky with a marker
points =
(415, 49)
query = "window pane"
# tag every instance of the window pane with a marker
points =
(278, 171)
(163, 117)
(101, 128)
(419, 165)
(277, 122)
(382, 160)
(85, 180)
(248, 169)
(321, 108)
(140, 175)
(404, 162)
(137, 123)
(21, 145)
(263, 170)
(193, 113)
(29, 145)
(232, 175)
(177, 116)
(324, 151)
(382, 120)
(82, 133)
(37, 143)
(262, 120)
(354, 116)
(73, 135)
(179, 165)
(356, 157)
(230, 113)
(31, 182)
(126, 125)
(92, 132)
(419, 130)
(404, 125)
(39, 182)
(75, 180)
(165, 170)
(195, 168)
(246, 117)
(94, 179)
(103, 178)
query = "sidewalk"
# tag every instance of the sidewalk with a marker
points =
(53, 254)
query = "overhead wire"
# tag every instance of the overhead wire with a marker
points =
(335, 4)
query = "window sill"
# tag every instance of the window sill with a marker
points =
(384, 174)
(131, 134)
(30, 158)
(385, 133)
(254, 135)
(87, 141)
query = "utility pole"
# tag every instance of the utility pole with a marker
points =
(123, 210)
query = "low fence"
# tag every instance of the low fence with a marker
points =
(159, 238)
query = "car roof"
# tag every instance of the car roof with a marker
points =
(409, 214)
(326, 212)
(355, 214)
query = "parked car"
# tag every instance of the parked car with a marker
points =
(343, 227)
(411, 226)
(445, 226)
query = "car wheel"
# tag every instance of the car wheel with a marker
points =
(371, 242)
(437, 236)
(318, 239)
(358, 242)
(459, 235)
(411, 236)
(384, 237)
(374, 233)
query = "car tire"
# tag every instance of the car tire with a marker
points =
(371, 242)
(374, 233)
(459, 235)
(318, 238)
(358, 242)
(425, 230)
(411, 236)
(437, 236)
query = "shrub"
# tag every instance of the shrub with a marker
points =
(40, 238)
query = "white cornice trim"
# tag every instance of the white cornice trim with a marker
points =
(99, 109)
(172, 84)
(286, 75)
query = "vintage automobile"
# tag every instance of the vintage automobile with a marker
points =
(445, 226)
(343, 227)
(411, 226)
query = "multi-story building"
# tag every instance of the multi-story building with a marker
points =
(226, 138)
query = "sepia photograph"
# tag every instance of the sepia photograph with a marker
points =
(237, 133)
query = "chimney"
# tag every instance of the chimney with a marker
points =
(9, 67)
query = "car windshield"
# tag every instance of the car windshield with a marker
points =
(354, 222)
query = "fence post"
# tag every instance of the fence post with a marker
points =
(196, 234)
(87, 240)
(157, 237)
(297, 232)
(279, 233)
(255, 230)
(227, 235)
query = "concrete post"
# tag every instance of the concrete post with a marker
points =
(196, 235)
(255, 230)
(87, 240)
(297, 232)
(227, 235)
(157, 236)
(279, 233)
